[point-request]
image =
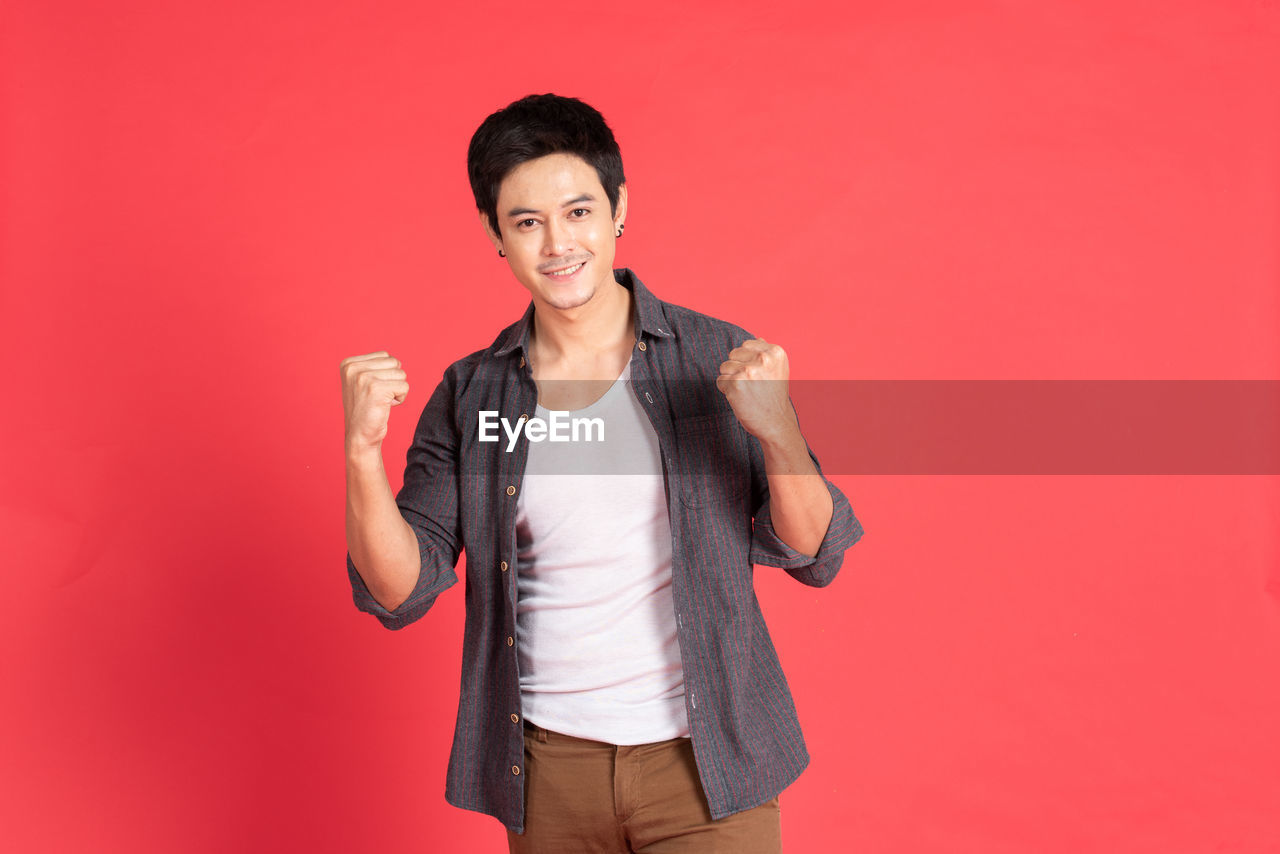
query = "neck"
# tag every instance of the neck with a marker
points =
(604, 325)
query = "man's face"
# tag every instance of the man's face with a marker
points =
(557, 229)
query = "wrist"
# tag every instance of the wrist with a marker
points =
(362, 457)
(787, 454)
(782, 441)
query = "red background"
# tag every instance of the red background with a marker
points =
(205, 209)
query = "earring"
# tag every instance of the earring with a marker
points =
(501, 254)
(620, 227)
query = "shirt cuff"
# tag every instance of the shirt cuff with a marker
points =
(816, 570)
(432, 581)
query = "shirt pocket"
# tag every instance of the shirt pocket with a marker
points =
(715, 465)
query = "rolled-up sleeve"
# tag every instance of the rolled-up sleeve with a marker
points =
(768, 549)
(428, 501)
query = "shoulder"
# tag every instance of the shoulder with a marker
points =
(697, 330)
(681, 316)
(475, 372)
(691, 328)
(491, 360)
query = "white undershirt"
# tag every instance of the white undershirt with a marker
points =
(598, 652)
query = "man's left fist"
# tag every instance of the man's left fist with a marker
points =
(763, 408)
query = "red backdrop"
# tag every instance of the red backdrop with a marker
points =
(205, 209)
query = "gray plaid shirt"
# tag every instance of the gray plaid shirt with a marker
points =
(460, 493)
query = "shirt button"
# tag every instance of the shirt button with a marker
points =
(524, 416)
(503, 566)
(515, 719)
(642, 347)
(511, 490)
(522, 361)
(515, 769)
(647, 397)
(510, 641)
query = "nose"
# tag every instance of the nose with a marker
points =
(557, 237)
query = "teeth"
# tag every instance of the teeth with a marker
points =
(568, 272)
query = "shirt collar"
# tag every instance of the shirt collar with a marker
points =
(650, 316)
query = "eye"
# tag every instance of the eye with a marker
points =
(580, 212)
(526, 223)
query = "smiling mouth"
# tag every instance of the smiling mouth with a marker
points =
(568, 271)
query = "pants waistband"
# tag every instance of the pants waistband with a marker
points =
(544, 735)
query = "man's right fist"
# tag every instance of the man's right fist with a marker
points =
(371, 385)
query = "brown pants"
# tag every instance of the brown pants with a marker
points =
(591, 796)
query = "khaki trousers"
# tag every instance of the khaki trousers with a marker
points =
(591, 796)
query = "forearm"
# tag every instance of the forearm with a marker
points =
(800, 505)
(383, 547)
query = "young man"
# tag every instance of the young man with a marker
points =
(620, 691)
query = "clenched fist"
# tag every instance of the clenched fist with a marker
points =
(371, 385)
(763, 408)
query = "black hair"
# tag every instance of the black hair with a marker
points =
(535, 126)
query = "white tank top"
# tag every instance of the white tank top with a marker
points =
(599, 657)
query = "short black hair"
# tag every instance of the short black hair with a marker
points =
(533, 127)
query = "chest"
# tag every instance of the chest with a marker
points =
(565, 388)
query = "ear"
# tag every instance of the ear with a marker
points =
(494, 237)
(621, 213)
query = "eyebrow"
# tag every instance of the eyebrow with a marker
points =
(584, 197)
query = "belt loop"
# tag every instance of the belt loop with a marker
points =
(542, 734)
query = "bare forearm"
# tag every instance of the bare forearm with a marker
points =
(383, 547)
(800, 504)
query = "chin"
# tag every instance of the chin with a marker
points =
(574, 300)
